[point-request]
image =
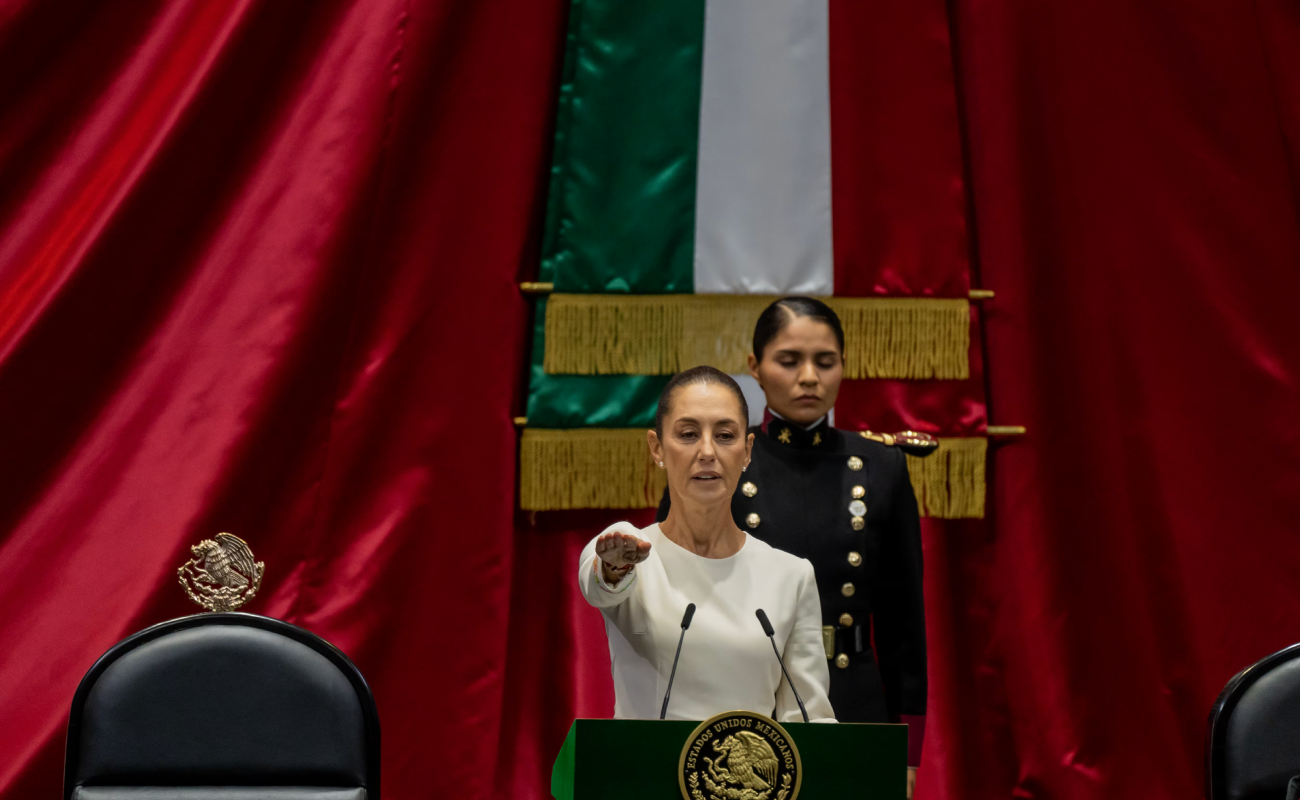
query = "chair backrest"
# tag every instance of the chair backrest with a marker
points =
(1252, 744)
(223, 705)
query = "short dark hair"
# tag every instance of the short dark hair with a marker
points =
(778, 315)
(694, 375)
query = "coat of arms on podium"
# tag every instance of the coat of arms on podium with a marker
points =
(740, 755)
(222, 575)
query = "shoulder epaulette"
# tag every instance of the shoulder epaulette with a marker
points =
(914, 443)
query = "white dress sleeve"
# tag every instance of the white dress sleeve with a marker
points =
(805, 658)
(591, 578)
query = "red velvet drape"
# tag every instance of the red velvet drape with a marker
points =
(1138, 212)
(257, 267)
(259, 273)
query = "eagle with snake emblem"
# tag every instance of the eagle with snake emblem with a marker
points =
(746, 759)
(749, 757)
(222, 575)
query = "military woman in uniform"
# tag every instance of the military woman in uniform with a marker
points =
(843, 501)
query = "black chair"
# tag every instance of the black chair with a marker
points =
(1252, 747)
(223, 706)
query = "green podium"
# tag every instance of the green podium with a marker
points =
(839, 761)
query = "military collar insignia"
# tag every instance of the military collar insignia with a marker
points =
(795, 436)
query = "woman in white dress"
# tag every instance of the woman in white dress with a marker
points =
(642, 580)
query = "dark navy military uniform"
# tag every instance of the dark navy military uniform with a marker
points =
(845, 503)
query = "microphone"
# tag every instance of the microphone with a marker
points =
(771, 637)
(686, 623)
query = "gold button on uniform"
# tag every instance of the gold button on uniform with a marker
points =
(749, 489)
(848, 589)
(859, 492)
(858, 523)
(842, 660)
(855, 463)
(855, 559)
(846, 620)
(752, 520)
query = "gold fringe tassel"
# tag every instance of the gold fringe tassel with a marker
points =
(619, 334)
(949, 483)
(611, 468)
(587, 468)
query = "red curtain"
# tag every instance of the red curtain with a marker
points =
(257, 273)
(1136, 201)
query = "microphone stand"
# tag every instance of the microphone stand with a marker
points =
(686, 623)
(771, 637)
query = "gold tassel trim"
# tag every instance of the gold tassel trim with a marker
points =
(588, 468)
(612, 468)
(622, 334)
(949, 483)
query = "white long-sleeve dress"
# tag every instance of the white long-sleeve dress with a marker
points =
(727, 663)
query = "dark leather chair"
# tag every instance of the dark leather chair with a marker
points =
(223, 706)
(1252, 746)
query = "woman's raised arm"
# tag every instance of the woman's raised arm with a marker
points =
(607, 567)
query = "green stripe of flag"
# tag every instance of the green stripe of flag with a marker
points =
(622, 201)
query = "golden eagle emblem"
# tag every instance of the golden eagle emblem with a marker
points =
(222, 576)
(740, 756)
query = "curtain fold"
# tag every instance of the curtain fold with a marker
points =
(263, 280)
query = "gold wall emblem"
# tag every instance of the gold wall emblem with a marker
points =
(222, 576)
(740, 755)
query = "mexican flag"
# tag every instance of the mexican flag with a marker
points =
(696, 176)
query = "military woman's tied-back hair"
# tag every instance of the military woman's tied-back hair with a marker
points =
(694, 375)
(776, 316)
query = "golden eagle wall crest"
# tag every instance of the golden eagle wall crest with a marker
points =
(740, 755)
(222, 576)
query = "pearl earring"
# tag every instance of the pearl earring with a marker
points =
(661, 463)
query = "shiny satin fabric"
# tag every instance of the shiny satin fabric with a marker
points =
(622, 185)
(1134, 185)
(898, 178)
(258, 266)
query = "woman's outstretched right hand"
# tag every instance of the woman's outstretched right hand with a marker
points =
(618, 552)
